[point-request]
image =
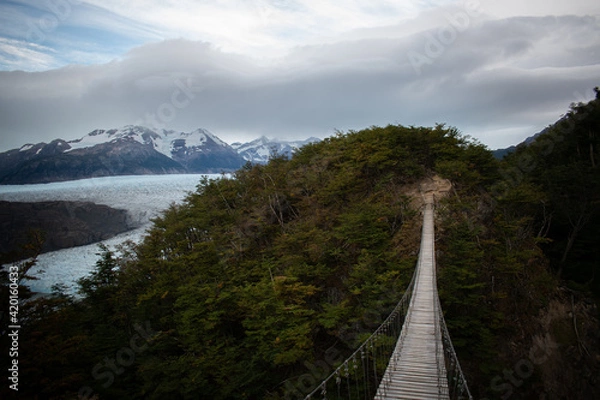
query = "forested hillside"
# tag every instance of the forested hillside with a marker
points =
(282, 269)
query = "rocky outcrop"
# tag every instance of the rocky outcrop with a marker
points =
(62, 224)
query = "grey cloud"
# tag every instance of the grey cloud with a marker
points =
(488, 78)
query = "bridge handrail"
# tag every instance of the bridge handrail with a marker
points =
(404, 301)
(457, 383)
(456, 386)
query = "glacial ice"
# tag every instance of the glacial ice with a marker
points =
(143, 196)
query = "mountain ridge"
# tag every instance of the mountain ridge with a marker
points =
(134, 150)
(502, 152)
(262, 149)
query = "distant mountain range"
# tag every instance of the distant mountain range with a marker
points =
(501, 153)
(134, 150)
(259, 151)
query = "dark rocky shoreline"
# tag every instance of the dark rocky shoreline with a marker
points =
(62, 224)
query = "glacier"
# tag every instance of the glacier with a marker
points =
(143, 196)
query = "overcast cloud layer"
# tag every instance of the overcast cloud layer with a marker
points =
(294, 69)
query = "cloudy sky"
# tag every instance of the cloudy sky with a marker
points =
(497, 70)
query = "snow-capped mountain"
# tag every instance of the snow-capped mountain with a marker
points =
(131, 150)
(199, 151)
(260, 150)
(135, 150)
(163, 141)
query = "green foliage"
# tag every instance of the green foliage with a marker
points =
(542, 208)
(104, 276)
(492, 280)
(562, 164)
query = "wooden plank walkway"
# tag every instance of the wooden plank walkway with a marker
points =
(416, 369)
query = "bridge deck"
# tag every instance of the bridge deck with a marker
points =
(417, 369)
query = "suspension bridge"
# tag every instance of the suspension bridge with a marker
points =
(410, 355)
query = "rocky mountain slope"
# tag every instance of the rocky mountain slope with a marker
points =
(134, 150)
